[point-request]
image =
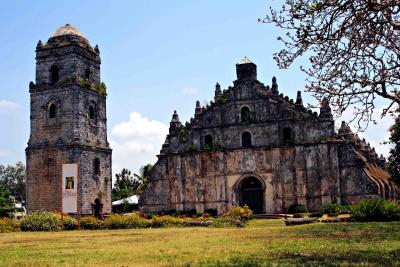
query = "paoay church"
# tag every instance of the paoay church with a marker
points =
(252, 145)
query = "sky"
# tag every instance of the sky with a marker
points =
(157, 57)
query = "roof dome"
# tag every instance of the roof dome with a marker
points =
(68, 29)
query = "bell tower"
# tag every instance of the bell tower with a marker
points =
(68, 124)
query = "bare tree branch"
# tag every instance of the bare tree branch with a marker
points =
(353, 48)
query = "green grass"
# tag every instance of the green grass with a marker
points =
(261, 243)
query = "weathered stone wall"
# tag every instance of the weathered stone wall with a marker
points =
(306, 175)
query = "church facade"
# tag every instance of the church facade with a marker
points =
(68, 124)
(253, 145)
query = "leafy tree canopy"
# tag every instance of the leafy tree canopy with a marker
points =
(12, 179)
(393, 164)
(353, 48)
(127, 184)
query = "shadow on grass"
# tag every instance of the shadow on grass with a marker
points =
(352, 258)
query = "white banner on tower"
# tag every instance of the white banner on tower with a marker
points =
(70, 188)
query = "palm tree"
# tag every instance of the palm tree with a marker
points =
(143, 178)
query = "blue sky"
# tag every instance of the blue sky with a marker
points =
(157, 56)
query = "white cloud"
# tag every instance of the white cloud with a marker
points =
(189, 91)
(5, 104)
(375, 134)
(136, 142)
(3, 153)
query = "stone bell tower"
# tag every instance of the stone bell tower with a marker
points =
(68, 124)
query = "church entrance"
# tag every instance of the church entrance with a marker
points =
(97, 208)
(252, 194)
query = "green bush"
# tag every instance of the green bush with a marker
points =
(331, 209)
(297, 208)
(376, 210)
(240, 213)
(166, 221)
(69, 223)
(41, 221)
(9, 225)
(116, 221)
(136, 221)
(91, 223)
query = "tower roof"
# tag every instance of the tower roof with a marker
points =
(68, 29)
(245, 60)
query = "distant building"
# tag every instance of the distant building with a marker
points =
(68, 124)
(253, 145)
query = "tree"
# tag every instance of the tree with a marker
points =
(393, 164)
(143, 178)
(6, 202)
(353, 48)
(127, 185)
(123, 186)
(12, 179)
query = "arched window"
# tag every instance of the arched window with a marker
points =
(245, 114)
(287, 134)
(87, 73)
(52, 111)
(54, 74)
(92, 114)
(246, 139)
(208, 140)
(96, 166)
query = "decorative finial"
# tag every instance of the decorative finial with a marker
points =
(299, 100)
(39, 44)
(274, 86)
(217, 89)
(198, 108)
(96, 49)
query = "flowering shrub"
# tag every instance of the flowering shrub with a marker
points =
(126, 222)
(240, 213)
(9, 225)
(41, 221)
(91, 223)
(135, 220)
(69, 223)
(166, 221)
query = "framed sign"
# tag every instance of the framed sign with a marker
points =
(70, 188)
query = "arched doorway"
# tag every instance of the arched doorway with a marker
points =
(97, 207)
(252, 194)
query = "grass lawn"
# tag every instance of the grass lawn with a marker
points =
(262, 242)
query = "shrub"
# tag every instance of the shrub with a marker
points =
(136, 221)
(212, 212)
(9, 225)
(166, 221)
(331, 209)
(41, 221)
(346, 209)
(239, 213)
(376, 210)
(116, 221)
(91, 223)
(297, 208)
(69, 223)
(126, 222)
